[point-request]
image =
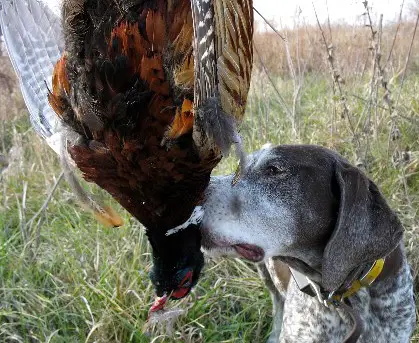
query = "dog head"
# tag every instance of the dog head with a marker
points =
(304, 204)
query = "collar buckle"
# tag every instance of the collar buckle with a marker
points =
(337, 296)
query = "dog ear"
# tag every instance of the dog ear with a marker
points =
(366, 228)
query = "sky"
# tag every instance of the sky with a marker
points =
(283, 12)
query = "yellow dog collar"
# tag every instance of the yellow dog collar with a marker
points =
(364, 281)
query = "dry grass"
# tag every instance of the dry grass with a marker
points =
(352, 46)
(83, 283)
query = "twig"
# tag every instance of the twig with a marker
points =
(328, 21)
(378, 72)
(22, 213)
(292, 114)
(393, 120)
(296, 84)
(47, 200)
(280, 98)
(366, 100)
(373, 33)
(3, 137)
(333, 112)
(407, 59)
(394, 124)
(390, 54)
(42, 211)
(412, 120)
(337, 80)
(373, 49)
(269, 24)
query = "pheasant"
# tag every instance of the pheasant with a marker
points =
(145, 98)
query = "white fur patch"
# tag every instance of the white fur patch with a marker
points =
(264, 154)
(195, 219)
(267, 146)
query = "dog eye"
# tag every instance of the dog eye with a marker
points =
(275, 170)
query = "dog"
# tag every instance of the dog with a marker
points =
(309, 208)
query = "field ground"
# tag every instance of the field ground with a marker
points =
(65, 278)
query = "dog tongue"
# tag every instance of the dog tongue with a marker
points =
(250, 252)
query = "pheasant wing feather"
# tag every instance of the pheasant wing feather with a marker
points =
(33, 36)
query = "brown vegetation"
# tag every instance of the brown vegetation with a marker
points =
(351, 44)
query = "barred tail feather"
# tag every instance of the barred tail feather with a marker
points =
(223, 61)
(213, 127)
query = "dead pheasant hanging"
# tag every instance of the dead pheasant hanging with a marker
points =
(147, 95)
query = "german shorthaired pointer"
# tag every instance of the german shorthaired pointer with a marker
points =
(308, 207)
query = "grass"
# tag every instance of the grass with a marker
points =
(80, 282)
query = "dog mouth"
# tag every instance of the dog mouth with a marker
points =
(250, 252)
(219, 246)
